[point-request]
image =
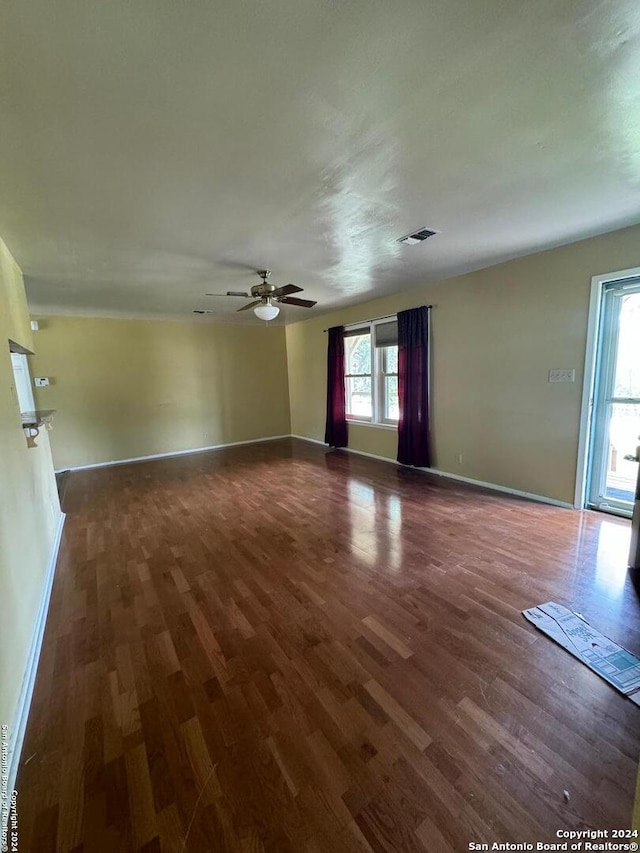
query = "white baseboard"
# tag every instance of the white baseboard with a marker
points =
(494, 487)
(170, 453)
(17, 730)
(311, 440)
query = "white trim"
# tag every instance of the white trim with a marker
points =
(586, 408)
(492, 486)
(17, 730)
(373, 456)
(613, 510)
(311, 440)
(495, 487)
(377, 424)
(170, 453)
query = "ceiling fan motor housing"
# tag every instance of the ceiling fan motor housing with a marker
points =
(262, 290)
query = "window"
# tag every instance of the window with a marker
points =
(371, 374)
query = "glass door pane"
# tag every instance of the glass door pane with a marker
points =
(620, 473)
(616, 416)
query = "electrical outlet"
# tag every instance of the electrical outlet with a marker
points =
(41, 381)
(459, 458)
(562, 374)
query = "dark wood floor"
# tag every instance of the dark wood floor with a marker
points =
(279, 648)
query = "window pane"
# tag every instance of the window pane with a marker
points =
(387, 334)
(391, 407)
(358, 353)
(390, 359)
(627, 382)
(359, 396)
(621, 474)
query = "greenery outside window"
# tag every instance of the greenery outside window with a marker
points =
(371, 372)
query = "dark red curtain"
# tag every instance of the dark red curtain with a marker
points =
(336, 430)
(413, 387)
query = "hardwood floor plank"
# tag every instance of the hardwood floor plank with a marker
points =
(388, 637)
(141, 807)
(281, 648)
(397, 713)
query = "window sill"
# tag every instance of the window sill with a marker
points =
(393, 427)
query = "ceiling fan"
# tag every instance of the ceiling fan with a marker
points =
(266, 295)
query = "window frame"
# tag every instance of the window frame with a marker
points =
(381, 376)
(377, 376)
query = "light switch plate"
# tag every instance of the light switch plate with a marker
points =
(562, 374)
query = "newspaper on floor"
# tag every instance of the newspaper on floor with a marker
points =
(609, 660)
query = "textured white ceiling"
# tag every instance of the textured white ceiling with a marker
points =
(154, 150)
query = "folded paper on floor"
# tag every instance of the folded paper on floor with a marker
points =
(609, 660)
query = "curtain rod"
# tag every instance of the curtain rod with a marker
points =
(375, 319)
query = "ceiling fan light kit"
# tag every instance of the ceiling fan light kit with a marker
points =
(266, 311)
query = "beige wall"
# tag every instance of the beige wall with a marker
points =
(495, 333)
(29, 508)
(128, 388)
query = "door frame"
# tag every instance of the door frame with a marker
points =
(598, 283)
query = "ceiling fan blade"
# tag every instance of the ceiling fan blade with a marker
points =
(286, 289)
(293, 300)
(231, 293)
(250, 305)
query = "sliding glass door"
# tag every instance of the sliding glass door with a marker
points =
(616, 415)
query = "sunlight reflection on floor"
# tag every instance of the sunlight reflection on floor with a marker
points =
(611, 563)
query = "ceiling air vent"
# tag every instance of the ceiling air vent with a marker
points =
(417, 237)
